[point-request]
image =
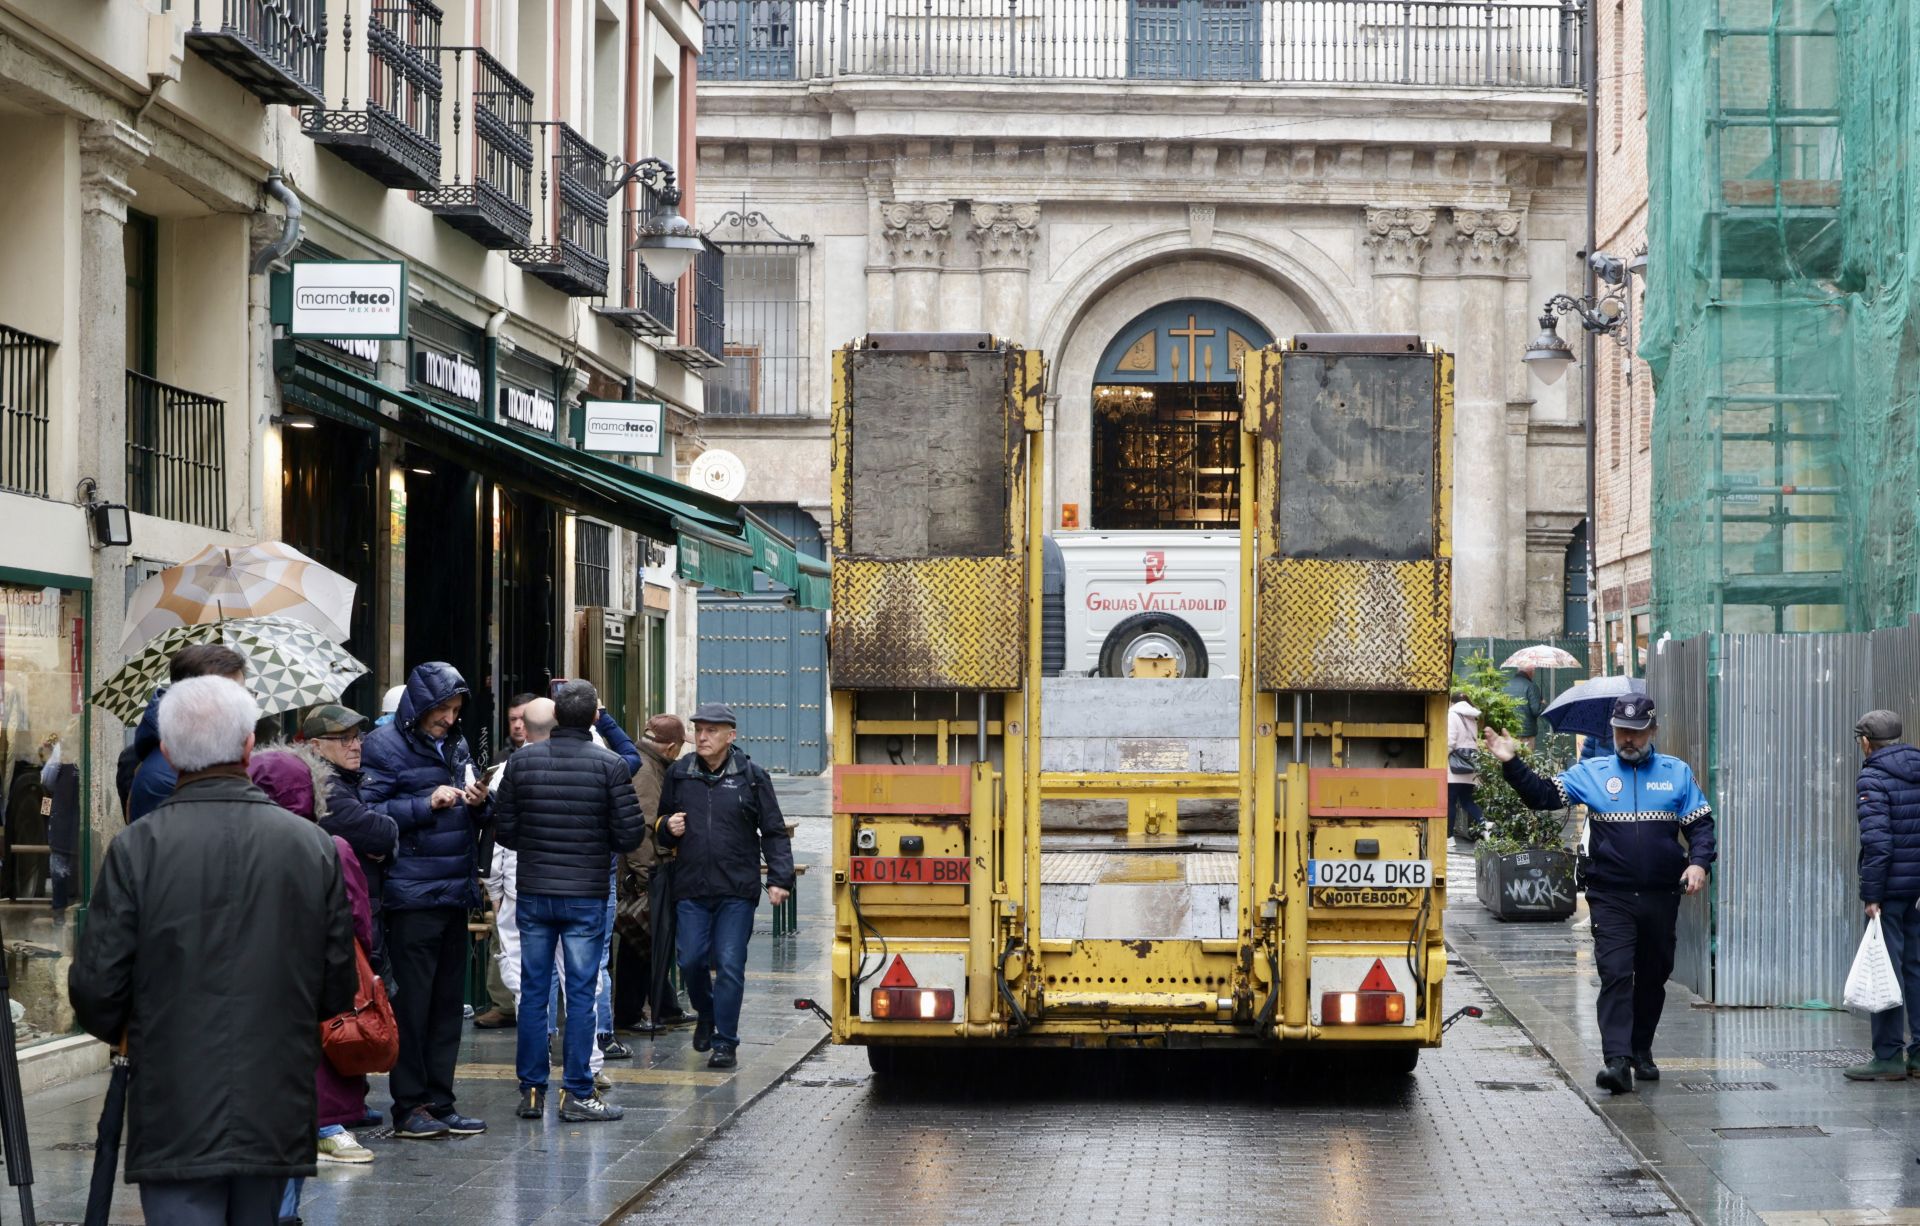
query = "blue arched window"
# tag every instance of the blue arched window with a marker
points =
(1169, 343)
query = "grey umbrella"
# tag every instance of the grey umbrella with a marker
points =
(1587, 707)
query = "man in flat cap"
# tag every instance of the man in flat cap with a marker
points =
(1889, 811)
(719, 815)
(1640, 805)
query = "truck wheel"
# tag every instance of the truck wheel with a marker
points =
(1153, 634)
(1400, 1062)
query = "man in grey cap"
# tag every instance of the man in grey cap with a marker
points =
(335, 733)
(1889, 812)
(719, 814)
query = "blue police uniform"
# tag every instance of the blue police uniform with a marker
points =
(1638, 814)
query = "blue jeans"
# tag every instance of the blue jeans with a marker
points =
(711, 946)
(1900, 927)
(573, 926)
(603, 1015)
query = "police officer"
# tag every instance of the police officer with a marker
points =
(1640, 805)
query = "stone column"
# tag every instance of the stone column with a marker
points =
(918, 236)
(1005, 233)
(1487, 241)
(108, 153)
(1398, 239)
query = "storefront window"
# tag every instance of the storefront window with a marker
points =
(43, 732)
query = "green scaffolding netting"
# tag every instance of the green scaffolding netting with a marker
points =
(1784, 258)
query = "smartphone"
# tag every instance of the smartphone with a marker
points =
(553, 686)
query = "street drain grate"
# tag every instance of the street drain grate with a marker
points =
(827, 1083)
(1514, 1085)
(1771, 1132)
(1839, 1057)
(1704, 1087)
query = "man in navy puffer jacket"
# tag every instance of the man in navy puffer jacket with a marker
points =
(1889, 810)
(419, 771)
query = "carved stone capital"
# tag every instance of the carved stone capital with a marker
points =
(1399, 239)
(1489, 241)
(918, 232)
(108, 153)
(1005, 232)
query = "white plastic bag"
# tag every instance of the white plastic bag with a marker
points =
(1872, 986)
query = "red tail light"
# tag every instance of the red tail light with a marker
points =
(1362, 1009)
(913, 1004)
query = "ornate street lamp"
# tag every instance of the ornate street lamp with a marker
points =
(1605, 314)
(667, 241)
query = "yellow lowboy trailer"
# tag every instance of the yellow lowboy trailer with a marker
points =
(1252, 860)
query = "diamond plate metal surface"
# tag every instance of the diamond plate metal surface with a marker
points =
(1071, 867)
(1213, 869)
(929, 623)
(1355, 625)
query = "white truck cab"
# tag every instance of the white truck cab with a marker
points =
(1151, 603)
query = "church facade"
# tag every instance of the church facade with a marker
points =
(1143, 203)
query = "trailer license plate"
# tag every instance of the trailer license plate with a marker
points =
(909, 870)
(1371, 874)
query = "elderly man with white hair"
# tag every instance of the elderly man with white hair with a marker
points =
(218, 941)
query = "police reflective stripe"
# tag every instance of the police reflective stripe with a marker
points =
(1696, 815)
(1641, 815)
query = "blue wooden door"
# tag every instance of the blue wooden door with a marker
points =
(748, 40)
(1193, 40)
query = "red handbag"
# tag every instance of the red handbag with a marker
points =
(365, 1039)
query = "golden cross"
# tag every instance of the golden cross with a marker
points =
(1192, 332)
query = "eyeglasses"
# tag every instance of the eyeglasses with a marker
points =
(345, 738)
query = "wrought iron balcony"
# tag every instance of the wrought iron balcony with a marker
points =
(647, 304)
(571, 254)
(488, 199)
(276, 48)
(176, 453)
(1418, 43)
(26, 364)
(708, 349)
(395, 137)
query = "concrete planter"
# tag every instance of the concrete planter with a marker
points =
(1526, 885)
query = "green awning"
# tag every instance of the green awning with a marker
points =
(640, 502)
(773, 553)
(815, 586)
(724, 563)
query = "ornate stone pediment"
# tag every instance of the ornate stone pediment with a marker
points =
(1005, 231)
(918, 232)
(1399, 238)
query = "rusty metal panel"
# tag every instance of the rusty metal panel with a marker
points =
(1376, 625)
(929, 623)
(1357, 457)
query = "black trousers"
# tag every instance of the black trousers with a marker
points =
(1463, 811)
(632, 974)
(1633, 945)
(428, 949)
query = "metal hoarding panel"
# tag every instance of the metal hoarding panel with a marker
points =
(1677, 680)
(1352, 625)
(930, 623)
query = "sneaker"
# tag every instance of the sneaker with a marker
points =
(1891, 1069)
(495, 1019)
(614, 1049)
(722, 1056)
(533, 1103)
(1617, 1076)
(588, 1110)
(459, 1125)
(1913, 1064)
(602, 1082)
(1644, 1069)
(341, 1147)
(679, 1017)
(420, 1125)
(703, 1034)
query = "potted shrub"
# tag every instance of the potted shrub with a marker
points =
(1524, 866)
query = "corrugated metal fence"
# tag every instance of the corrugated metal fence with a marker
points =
(1767, 721)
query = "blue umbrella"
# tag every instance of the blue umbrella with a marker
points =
(1586, 708)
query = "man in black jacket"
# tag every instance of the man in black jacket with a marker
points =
(565, 807)
(336, 734)
(718, 811)
(218, 889)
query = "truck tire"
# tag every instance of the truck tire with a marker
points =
(1156, 630)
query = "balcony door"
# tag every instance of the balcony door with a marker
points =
(1193, 40)
(748, 40)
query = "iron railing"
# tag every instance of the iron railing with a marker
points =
(592, 564)
(710, 301)
(571, 254)
(769, 332)
(26, 367)
(1420, 43)
(176, 453)
(396, 137)
(275, 48)
(647, 304)
(490, 196)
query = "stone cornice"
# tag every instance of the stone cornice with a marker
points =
(109, 152)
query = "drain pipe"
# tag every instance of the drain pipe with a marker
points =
(277, 250)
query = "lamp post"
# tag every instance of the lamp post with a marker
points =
(667, 241)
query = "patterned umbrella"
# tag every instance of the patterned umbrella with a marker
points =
(1540, 655)
(289, 665)
(270, 579)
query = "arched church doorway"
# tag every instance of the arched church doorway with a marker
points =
(1166, 418)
